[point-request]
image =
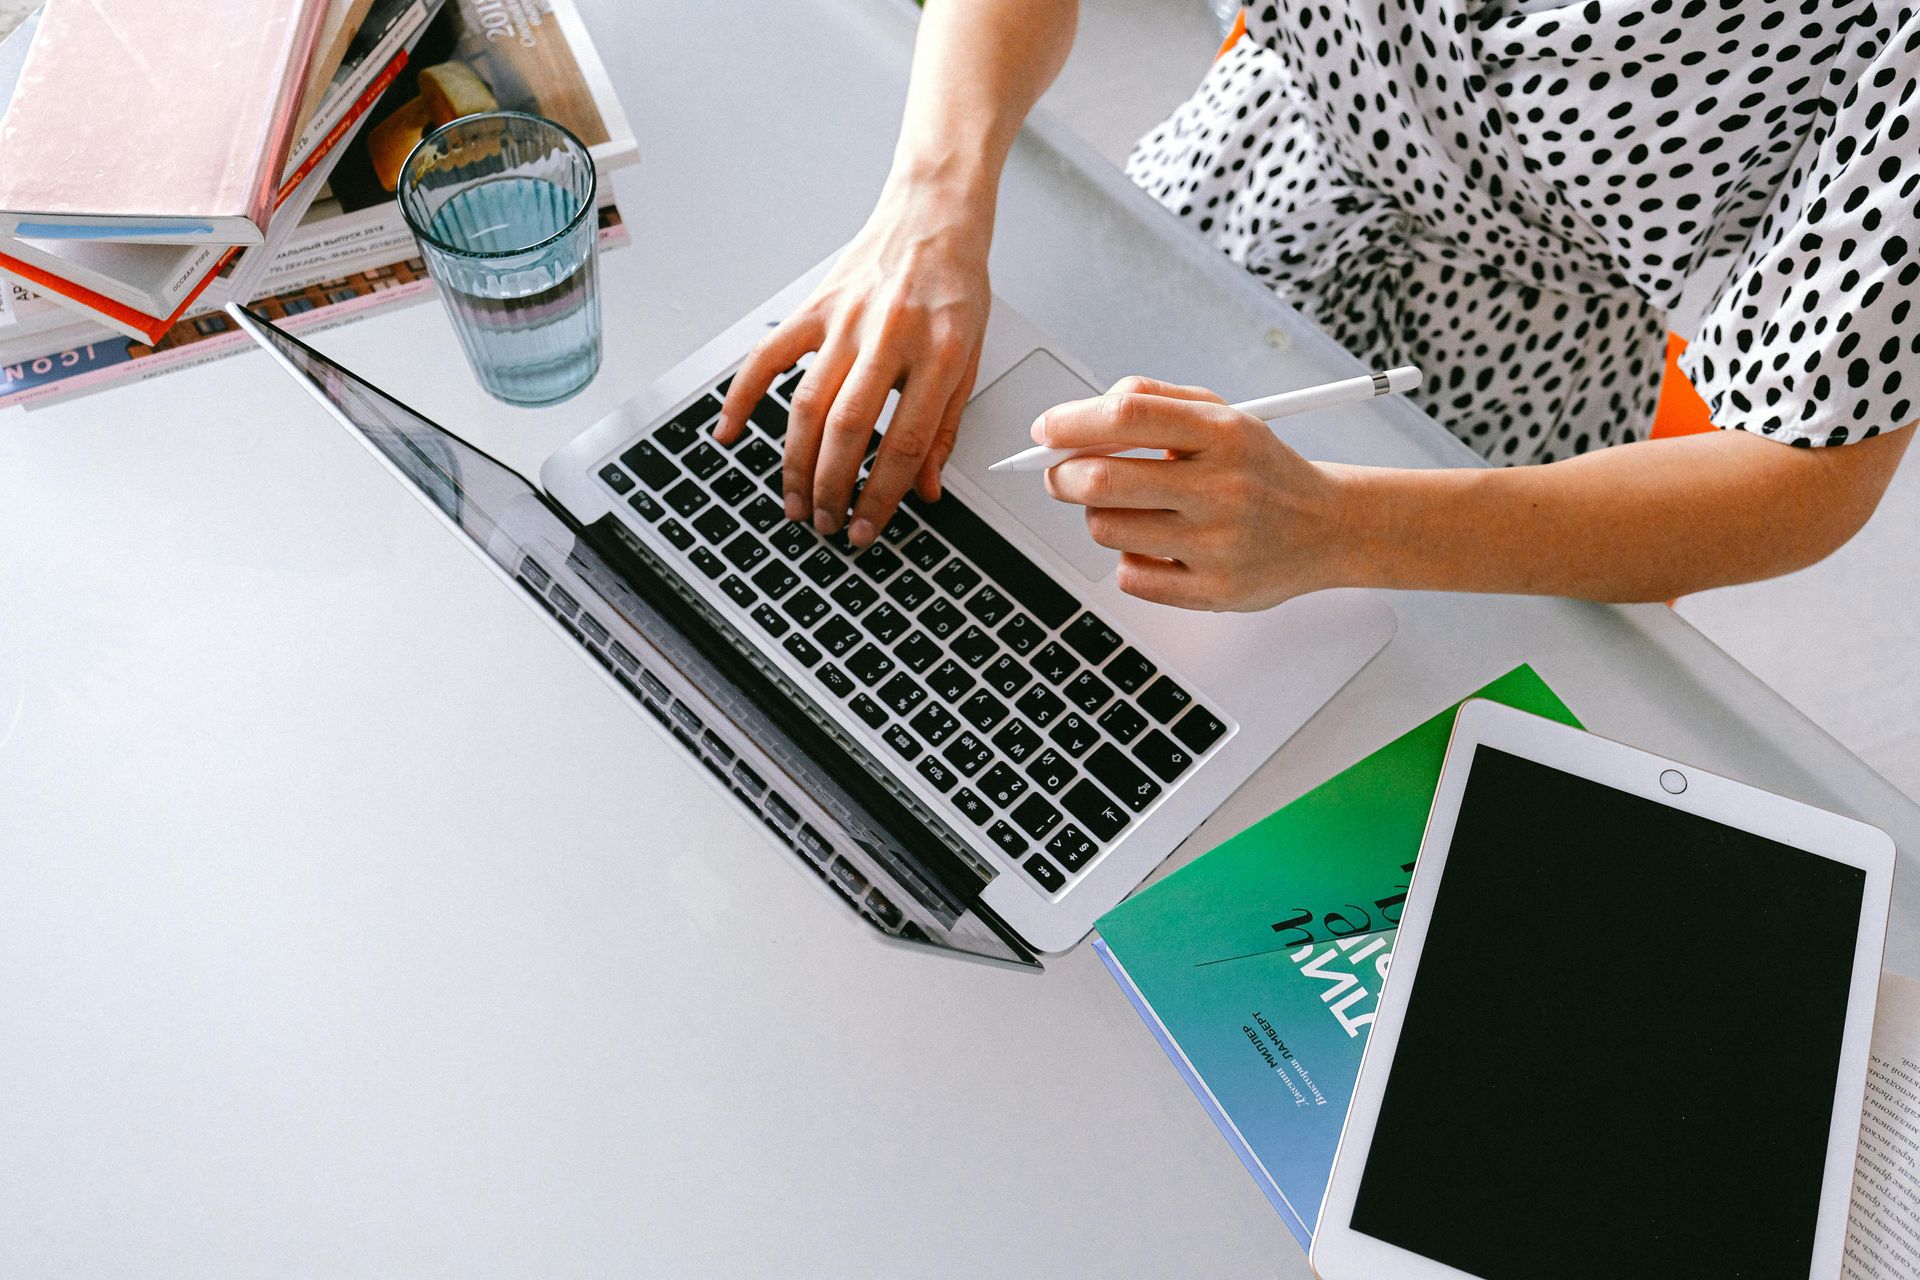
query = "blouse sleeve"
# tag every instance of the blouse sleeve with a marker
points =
(1813, 339)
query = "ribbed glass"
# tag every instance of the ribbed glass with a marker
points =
(503, 206)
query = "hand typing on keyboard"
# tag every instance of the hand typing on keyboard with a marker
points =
(1232, 520)
(905, 307)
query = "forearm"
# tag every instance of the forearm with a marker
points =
(978, 68)
(1647, 521)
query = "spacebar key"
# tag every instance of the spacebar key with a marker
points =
(999, 559)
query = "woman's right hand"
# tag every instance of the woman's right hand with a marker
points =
(905, 307)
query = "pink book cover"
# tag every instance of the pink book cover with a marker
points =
(165, 122)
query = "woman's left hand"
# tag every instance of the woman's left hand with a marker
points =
(1232, 519)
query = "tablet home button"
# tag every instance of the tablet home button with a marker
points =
(1673, 780)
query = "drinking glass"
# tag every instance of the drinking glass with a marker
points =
(503, 206)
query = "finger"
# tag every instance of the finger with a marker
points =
(843, 442)
(1135, 420)
(772, 356)
(902, 449)
(1162, 582)
(1160, 534)
(804, 418)
(927, 483)
(1171, 390)
(1147, 484)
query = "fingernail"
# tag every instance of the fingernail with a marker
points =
(822, 523)
(796, 507)
(1038, 431)
(862, 533)
(723, 426)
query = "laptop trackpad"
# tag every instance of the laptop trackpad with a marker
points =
(995, 424)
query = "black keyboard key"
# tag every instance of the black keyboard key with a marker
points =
(1002, 785)
(616, 479)
(1073, 734)
(783, 813)
(716, 524)
(942, 618)
(1040, 705)
(938, 774)
(1012, 572)
(967, 754)
(771, 416)
(900, 528)
(956, 578)
(983, 711)
(733, 486)
(935, 723)
(1070, 847)
(770, 622)
(1088, 692)
(901, 694)
(918, 651)
(1010, 841)
(646, 505)
(1051, 770)
(879, 562)
(869, 711)
(950, 680)
(745, 552)
(1110, 766)
(1093, 639)
(1044, 873)
(1163, 755)
(824, 567)
(854, 595)
(776, 579)
(1122, 722)
(835, 681)
(1199, 729)
(1097, 812)
(1055, 663)
(806, 607)
(989, 606)
(904, 744)
(681, 430)
(1022, 634)
(1130, 670)
(886, 623)
(1007, 676)
(687, 497)
(1017, 742)
(805, 651)
(910, 589)
(838, 635)
(870, 663)
(789, 384)
(647, 461)
(792, 540)
(712, 742)
(1163, 699)
(973, 806)
(763, 513)
(1035, 816)
(757, 456)
(749, 781)
(924, 550)
(707, 562)
(676, 533)
(655, 687)
(703, 459)
(975, 646)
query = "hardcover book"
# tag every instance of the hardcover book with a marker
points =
(1258, 966)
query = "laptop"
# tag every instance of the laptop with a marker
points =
(966, 732)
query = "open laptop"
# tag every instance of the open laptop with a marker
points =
(966, 730)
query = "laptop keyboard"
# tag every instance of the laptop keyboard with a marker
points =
(1033, 719)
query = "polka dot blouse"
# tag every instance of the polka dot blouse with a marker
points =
(1513, 195)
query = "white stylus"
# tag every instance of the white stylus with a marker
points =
(1267, 408)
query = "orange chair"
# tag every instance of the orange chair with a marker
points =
(1681, 411)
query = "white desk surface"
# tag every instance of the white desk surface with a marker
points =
(351, 929)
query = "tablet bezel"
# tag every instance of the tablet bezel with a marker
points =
(1341, 1253)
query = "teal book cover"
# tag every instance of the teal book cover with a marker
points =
(1258, 966)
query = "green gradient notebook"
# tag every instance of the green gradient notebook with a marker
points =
(1258, 967)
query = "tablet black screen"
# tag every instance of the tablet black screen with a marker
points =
(1620, 1052)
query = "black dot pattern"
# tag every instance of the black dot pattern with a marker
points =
(1513, 193)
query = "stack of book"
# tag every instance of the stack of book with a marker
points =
(113, 271)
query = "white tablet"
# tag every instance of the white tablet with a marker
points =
(1626, 1027)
